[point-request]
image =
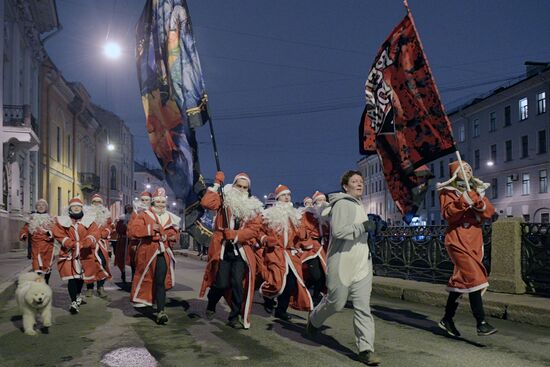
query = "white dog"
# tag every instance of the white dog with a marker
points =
(34, 297)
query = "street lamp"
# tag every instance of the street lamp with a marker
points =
(174, 203)
(110, 147)
(490, 163)
(147, 186)
(112, 50)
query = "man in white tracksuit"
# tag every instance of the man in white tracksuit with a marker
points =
(349, 266)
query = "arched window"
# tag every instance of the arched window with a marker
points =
(113, 178)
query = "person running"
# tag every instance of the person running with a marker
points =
(157, 230)
(231, 268)
(39, 231)
(122, 257)
(140, 205)
(75, 232)
(349, 267)
(465, 211)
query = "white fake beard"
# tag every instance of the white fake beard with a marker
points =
(101, 214)
(40, 220)
(242, 207)
(158, 211)
(278, 216)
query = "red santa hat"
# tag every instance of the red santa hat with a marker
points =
(280, 190)
(306, 199)
(95, 197)
(145, 193)
(242, 176)
(318, 195)
(160, 192)
(75, 202)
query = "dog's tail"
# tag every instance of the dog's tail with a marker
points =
(29, 277)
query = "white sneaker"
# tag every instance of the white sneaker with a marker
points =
(74, 308)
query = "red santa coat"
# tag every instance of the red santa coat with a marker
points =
(74, 236)
(39, 229)
(122, 257)
(317, 238)
(93, 268)
(132, 241)
(152, 243)
(464, 238)
(284, 257)
(245, 242)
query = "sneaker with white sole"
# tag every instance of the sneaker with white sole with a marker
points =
(74, 309)
(485, 329)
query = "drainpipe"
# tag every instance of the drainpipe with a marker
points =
(73, 152)
(47, 133)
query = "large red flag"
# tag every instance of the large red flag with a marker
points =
(404, 121)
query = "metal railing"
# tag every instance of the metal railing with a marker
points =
(19, 116)
(419, 253)
(535, 257)
(89, 181)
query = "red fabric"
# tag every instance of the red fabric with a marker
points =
(142, 228)
(122, 257)
(93, 270)
(42, 248)
(315, 245)
(404, 120)
(464, 240)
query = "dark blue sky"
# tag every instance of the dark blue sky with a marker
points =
(286, 78)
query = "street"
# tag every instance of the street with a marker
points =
(406, 335)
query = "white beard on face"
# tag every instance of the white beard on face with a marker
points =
(278, 216)
(317, 210)
(100, 212)
(242, 207)
(40, 220)
(158, 210)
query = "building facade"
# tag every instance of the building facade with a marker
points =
(26, 26)
(148, 179)
(504, 136)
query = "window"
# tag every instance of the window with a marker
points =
(508, 150)
(542, 142)
(476, 128)
(524, 146)
(541, 102)
(461, 133)
(59, 200)
(545, 218)
(507, 116)
(543, 181)
(113, 178)
(441, 168)
(494, 188)
(509, 186)
(494, 153)
(476, 159)
(523, 109)
(58, 141)
(493, 121)
(69, 156)
(432, 198)
(525, 183)
(135, 186)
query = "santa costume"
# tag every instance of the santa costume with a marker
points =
(314, 258)
(231, 268)
(75, 231)
(282, 238)
(122, 257)
(38, 230)
(143, 203)
(157, 230)
(465, 211)
(96, 262)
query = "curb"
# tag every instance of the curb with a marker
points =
(7, 288)
(514, 307)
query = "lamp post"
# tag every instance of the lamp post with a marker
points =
(110, 148)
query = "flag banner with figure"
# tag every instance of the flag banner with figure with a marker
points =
(173, 95)
(404, 121)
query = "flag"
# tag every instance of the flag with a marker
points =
(404, 121)
(174, 99)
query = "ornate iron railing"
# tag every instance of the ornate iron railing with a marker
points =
(418, 253)
(89, 181)
(535, 257)
(19, 116)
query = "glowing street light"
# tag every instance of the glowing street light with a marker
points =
(110, 147)
(490, 163)
(174, 203)
(147, 186)
(112, 50)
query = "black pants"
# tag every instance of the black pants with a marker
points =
(47, 277)
(100, 283)
(230, 274)
(476, 304)
(290, 288)
(75, 287)
(316, 276)
(161, 270)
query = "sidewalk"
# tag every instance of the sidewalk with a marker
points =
(11, 265)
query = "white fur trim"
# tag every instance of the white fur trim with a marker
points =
(215, 187)
(468, 290)
(468, 198)
(64, 221)
(149, 230)
(278, 216)
(87, 220)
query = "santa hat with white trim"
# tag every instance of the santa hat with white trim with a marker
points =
(280, 190)
(76, 201)
(145, 194)
(95, 197)
(159, 193)
(242, 176)
(318, 195)
(307, 199)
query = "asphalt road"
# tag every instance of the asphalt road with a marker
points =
(112, 333)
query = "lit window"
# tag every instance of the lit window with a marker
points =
(461, 133)
(543, 181)
(525, 184)
(523, 109)
(476, 128)
(509, 186)
(541, 102)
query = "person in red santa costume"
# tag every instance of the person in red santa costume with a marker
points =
(231, 269)
(157, 230)
(282, 236)
(96, 262)
(75, 232)
(122, 257)
(39, 230)
(465, 211)
(140, 205)
(314, 258)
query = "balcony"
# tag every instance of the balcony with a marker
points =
(89, 181)
(20, 124)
